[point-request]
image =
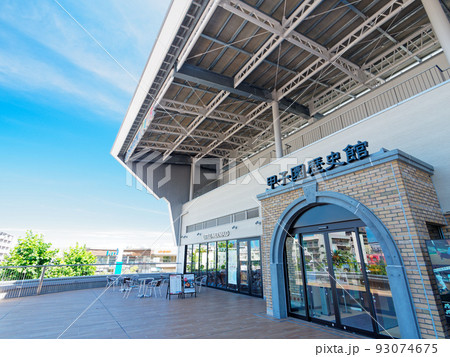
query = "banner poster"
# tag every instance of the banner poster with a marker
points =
(175, 284)
(232, 268)
(439, 251)
(188, 283)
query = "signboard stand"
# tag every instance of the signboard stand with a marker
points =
(175, 286)
(189, 285)
(181, 285)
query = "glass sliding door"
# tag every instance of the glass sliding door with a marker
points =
(318, 282)
(203, 258)
(383, 303)
(243, 268)
(256, 272)
(295, 281)
(221, 279)
(188, 263)
(352, 295)
(195, 258)
(232, 265)
(211, 264)
(338, 277)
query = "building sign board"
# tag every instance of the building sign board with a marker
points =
(318, 165)
(439, 251)
(223, 234)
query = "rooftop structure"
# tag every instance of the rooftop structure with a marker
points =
(277, 128)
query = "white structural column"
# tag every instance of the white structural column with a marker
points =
(191, 184)
(440, 24)
(277, 129)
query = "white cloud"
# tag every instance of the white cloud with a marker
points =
(24, 73)
(57, 54)
(122, 29)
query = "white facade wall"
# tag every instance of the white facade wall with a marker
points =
(418, 126)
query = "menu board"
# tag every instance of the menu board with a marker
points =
(188, 283)
(232, 268)
(175, 284)
(439, 251)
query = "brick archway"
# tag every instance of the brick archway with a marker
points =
(397, 276)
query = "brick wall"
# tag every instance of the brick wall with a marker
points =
(404, 199)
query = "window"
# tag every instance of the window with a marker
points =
(188, 259)
(235, 217)
(252, 213)
(240, 216)
(223, 220)
(211, 223)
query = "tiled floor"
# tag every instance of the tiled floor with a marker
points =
(213, 314)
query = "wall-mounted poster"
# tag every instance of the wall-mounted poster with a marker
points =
(232, 264)
(175, 284)
(188, 283)
(439, 251)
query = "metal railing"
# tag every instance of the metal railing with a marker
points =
(384, 100)
(20, 281)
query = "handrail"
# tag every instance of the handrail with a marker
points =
(76, 265)
(27, 280)
(410, 87)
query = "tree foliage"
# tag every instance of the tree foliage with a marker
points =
(79, 255)
(32, 250)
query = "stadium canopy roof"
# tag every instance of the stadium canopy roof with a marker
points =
(218, 65)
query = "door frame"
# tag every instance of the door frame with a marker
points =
(401, 294)
(297, 233)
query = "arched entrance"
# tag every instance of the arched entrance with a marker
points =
(319, 267)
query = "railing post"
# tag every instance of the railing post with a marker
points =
(41, 281)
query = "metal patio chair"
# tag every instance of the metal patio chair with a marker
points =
(199, 281)
(153, 287)
(112, 281)
(130, 284)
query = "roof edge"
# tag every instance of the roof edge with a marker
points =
(171, 24)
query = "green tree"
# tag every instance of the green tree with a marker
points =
(31, 250)
(78, 255)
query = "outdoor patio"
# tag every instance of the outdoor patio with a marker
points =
(213, 314)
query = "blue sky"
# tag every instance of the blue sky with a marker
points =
(62, 100)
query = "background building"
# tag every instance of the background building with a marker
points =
(136, 256)
(5, 244)
(301, 146)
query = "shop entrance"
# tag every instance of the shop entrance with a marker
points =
(336, 273)
(233, 265)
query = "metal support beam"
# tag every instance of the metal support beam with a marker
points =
(285, 31)
(195, 110)
(241, 50)
(277, 129)
(440, 24)
(379, 29)
(220, 82)
(411, 47)
(213, 104)
(380, 17)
